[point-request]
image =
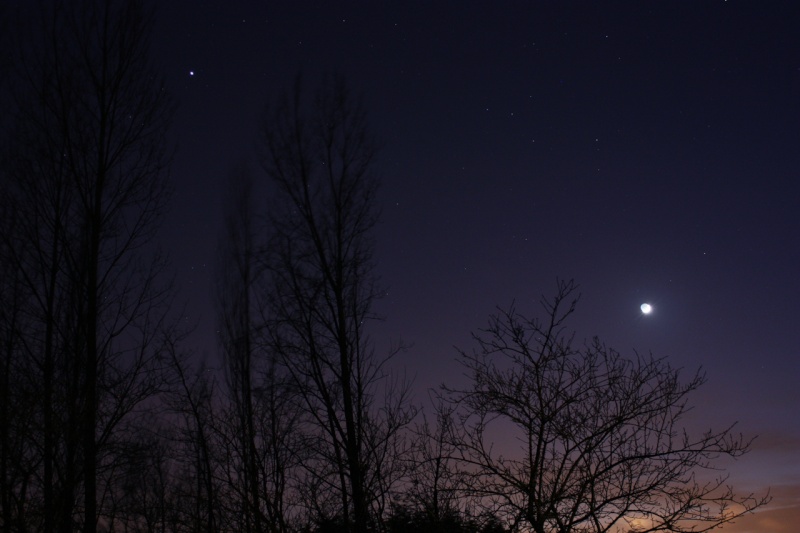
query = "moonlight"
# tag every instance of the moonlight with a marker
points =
(646, 309)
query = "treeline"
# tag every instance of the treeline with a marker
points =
(109, 423)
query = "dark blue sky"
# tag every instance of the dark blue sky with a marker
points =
(649, 150)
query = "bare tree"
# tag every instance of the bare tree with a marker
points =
(601, 442)
(320, 260)
(86, 177)
(144, 485)
(263, 427)
(198, 486)
(237, 311)
(436, 485)
(18, 399)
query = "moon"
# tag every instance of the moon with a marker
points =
(646, 309)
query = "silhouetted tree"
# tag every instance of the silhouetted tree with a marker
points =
(198, 487)
(409, 520)
(146, 486)
(237, 316)
(601, 440)
(18, 399)
(262, 429)
(320, 261)
(85, 177)
(435, 483)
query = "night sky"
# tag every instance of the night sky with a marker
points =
(649, 150)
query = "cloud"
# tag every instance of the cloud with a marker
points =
(769, 520)
(781, 515)
(773, 462)
(777, 442)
